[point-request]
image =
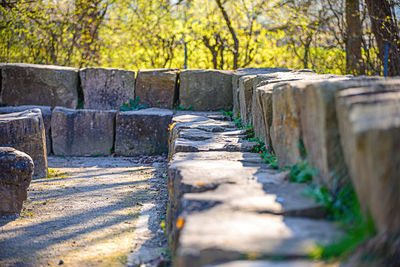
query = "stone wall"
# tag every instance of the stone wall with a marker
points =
(348, 126)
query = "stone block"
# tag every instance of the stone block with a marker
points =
(218, 235)
(25, 132)
(46, 114)
(16, 170)
(106, 88)
(157, 87)
(194, 140)
(82, 132)
(142, 132)
(246, 97)
(273, 263)
(370, 135)
(30, 84)
(206, 89)
(320, 129)
(286, 131)
(243, 72)
(201, 175)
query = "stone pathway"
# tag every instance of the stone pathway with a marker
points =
(93, 212)
(225, 205)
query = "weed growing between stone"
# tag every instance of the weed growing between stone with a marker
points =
(342, 207)
(132, 105)
(182, 108)
(267, 156)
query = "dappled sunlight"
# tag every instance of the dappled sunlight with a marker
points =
(86, 218)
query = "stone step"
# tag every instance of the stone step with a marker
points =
(226, 206)
(218, 234)
(270, 263)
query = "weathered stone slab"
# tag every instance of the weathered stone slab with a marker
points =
(370, 134)
(106, 88)
(31, 84)
(157, 87)
(46, 114)
(194, 140)
(24, 131)
(286, 131)
(195, 176)
(261, 104)
(217, 235)
(206, 89)
(271, 263)
(320, 128)
(243, 72)
(280, 199)
(142, 132)
(219, 155)
(82, 132)
(245, 98)
(16, 170)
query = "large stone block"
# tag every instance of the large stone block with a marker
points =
(16, 170)
(206, 89)
(24, 131)
(246, 97)
(286, 131)
(29, 84)
(243, 72)
(46, 114)
(157, 87)
(142, 132)
(106, 88)
(320, 128)
(218, 235)
(82, 132)
(370, 135)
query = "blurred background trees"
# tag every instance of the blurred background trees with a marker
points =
(330, 36)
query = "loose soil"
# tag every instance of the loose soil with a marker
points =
(103, 211)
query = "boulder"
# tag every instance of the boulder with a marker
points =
(24, 131)
(46, 114)
(157, 87)
(106, 88)
(16, 170)
(142, 132)
(370, 135)
(30, 84)
(206, 89)
(82, 132)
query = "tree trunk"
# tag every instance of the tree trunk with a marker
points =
(354, 61)
(385, 30)
(232, 32)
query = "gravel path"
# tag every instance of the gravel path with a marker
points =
(92, 212)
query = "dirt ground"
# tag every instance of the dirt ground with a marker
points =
(100, 211)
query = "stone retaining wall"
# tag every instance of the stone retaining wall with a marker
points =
(349, 127)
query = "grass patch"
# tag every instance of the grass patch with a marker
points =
(53, 173)
(342, 207)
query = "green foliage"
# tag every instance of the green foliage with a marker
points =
(132, 105)
(238, 122)
(227, 113)
(182, 108)
(301, 172)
